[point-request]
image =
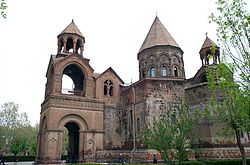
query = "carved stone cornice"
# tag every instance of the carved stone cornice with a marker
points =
(73, 102)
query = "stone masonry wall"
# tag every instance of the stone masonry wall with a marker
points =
(152, 98)
(112, 128)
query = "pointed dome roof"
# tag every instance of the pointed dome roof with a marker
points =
(158, 35)
(71, 29)
(207, 43)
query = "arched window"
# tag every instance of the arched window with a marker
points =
(138, 125)
(108, 88)
(69, 45)
(164, 71)
(175, 71)
(203, 78)
(153, 72)
(143, 74)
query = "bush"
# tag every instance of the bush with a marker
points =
(19, 158)
(225, 162)
(64, 157)
(193, 163)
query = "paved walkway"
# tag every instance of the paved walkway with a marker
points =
(19, 163)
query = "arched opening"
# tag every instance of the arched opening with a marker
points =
(41, 142)
(77, 76)
(69, 45)
(78, 45)
(108, 88)
(73, 142)
(153, 72)
(143, 74)
(203, 78)
(175, 71)
(209, 58)
(164, 71)
(68, 85)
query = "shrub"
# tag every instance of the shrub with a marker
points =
(225, 162)
(19, 158)
(193, 163)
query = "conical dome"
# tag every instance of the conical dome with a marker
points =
(71, 29)
(158, 35)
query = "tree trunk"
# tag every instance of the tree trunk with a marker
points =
(241, 147)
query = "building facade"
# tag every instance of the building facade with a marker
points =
(104, 117)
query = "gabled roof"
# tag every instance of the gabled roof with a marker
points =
(71, 29)
(158, 35)
(207, 43)
(112, 70)
(51, 62)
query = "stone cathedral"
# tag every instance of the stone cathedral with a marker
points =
(102, 115)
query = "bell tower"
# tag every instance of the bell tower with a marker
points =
(207, 49)
(70, 39)
(74, 112)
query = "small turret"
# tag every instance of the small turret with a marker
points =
(208, 50)
(71, 39)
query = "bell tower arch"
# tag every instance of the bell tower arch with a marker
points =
(77, 109)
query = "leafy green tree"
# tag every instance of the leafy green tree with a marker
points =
(2, 137)
(16, 132)
(3, 7)
(233, 27)
(11, 118)
(171, 135)
(18, 142)
(26, 138)
(33, 139)
(228, 104)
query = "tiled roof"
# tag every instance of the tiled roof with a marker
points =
(158, 35)
(72, 29)
(208, 43)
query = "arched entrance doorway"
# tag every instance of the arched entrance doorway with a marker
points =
(73, 142)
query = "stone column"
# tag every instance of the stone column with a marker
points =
(57, 83)
(202, 62)
(52, 153)
(89, 87)
(38, 148)
(64, 45)
(74, 46)
(81, 146)
(81, 50)
(60, 143)
(59, 47)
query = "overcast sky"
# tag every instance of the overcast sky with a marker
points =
(114, 31)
